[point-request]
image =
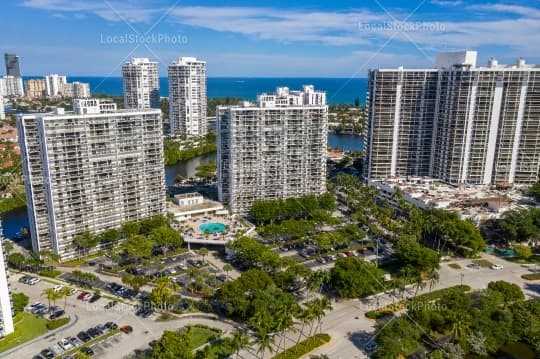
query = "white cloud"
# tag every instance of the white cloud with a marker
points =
(114, 10)
(525, 11)
(446, 3)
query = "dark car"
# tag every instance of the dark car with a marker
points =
(87, 351)
(110, 304)
(111, 325)
(93, 332)
(57, 314)
(94, 298)
(37, 357)
(84, 336)
(47, 353)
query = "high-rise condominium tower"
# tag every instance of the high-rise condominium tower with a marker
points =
(6, 314)
(187, 97)
(141, 84)
(90, 170)
(54, 84)
(12, 65)
(458, 123)
(273, 149)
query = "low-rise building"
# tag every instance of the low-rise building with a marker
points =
(478, 203)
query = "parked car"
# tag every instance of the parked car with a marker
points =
(497, 267)
(82, 295)
(110, 304)
(58, 288)
(473, 266)
(126, 329)
(65, 344)
(24, 279)
(75, 342)
(94, 298)
(33, 281)
(87, 297)
(47, 353)
(84, 336)
(111, 325)
(87, 351)
(57, 314)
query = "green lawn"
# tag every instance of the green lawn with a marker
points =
(482, 262)
(454, 266)
(531, 276)
(27, 327)
(201, 335)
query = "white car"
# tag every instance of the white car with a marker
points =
(58, 288)
(497, 267)
(65, 344)
(34, 281)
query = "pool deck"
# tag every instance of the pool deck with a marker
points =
(192, 234)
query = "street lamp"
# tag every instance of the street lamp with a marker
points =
(462, 275)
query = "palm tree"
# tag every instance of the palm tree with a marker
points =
(239, 341)
(284, 321)
(304, 316)
(265, 341)
(203, 252)
(64, 294)
(433, 278)
(51, 296)
(227, 268)
(419, 284)
(323, 304)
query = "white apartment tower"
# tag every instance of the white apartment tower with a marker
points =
(90, 170)
(187, 97)
(54, 85)
(275, 148)
(141, 84)
(6, 311)
(458, 123)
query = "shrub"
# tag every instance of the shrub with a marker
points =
(57, 323)
(51, 273)
(20, 300)
(531, 276)
(304, 347)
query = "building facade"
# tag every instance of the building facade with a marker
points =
(90, 170)
(458, 123)
(6, 311)
(35, 88)
(54, 85)
(273, 149)
(76, 90)
(12, 65)
(141, 84)
(11, 86)
(187, 97)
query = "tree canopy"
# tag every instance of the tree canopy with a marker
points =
(352, 277)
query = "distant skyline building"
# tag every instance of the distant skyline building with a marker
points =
(275, 148)
(187, 97)
(90, 170)
(76, 90)
(35, 88)
(12, 65)
(54, 85)
(11, 86)
(6, 311)
(458, 123)
(141, 84)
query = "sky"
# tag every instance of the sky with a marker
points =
(293, 38)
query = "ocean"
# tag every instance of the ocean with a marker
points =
(339, 90)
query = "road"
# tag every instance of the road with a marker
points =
(350, 335)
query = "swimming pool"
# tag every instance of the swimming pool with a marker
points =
(213, 227)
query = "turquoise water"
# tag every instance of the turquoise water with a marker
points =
(213, 227)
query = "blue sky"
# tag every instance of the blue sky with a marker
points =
(299, 38)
